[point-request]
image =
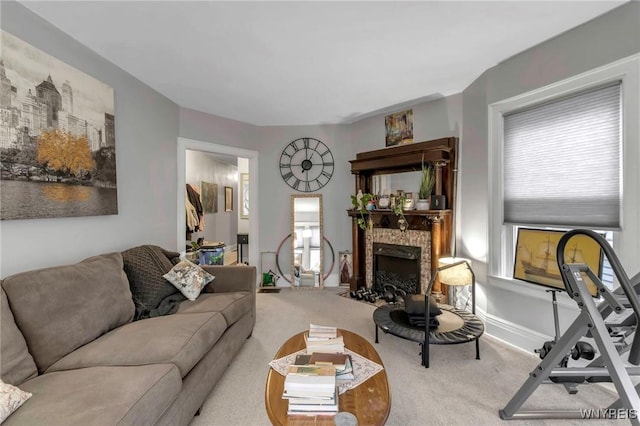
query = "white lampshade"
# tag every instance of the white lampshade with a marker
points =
(455, 275)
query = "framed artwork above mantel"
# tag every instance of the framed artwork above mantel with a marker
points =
(399, 128)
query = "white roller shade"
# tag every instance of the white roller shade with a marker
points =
(562, 161)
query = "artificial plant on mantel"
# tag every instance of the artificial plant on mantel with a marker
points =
(427, 182)
(359, 205)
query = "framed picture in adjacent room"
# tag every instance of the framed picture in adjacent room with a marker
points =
(346, 266)
(244, 196)
(209, 195)
(228, 199)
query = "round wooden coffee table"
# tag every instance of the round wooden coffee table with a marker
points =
(370, 402)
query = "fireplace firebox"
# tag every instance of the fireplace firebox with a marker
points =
(397, 266)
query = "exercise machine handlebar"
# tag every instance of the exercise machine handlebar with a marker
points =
(618, 270)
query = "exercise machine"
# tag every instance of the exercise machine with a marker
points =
(581, 350)
(611, 324)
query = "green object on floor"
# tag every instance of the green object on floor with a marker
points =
(267, 279)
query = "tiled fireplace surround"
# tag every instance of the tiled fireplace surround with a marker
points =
(413, 238)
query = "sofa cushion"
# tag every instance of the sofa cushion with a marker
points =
(11, 398)
(16, 363)
(178, 339)
(231, 305)
(61, 308)
(145, 266)
(99, 396)
(189, 278)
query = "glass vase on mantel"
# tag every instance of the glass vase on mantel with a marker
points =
(409, 202)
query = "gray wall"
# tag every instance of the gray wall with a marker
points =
(439, 118)
(146, 128)
(274, 193)
(205, 127)
(522, 313)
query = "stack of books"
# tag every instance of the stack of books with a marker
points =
(323, 339)
(311, 390)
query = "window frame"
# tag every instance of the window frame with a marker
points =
(626, 242)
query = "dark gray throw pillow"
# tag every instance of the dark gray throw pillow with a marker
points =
(414, 305)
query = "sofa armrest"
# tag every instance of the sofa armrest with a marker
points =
(231, 278)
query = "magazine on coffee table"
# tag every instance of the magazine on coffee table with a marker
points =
(363, 368)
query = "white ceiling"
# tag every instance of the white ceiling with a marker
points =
(302, 63)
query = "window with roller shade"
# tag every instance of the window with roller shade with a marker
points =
(562, 161)
(565, 156)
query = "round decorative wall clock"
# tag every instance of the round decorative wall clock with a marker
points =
(306, 164)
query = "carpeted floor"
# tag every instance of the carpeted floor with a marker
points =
(456, 390)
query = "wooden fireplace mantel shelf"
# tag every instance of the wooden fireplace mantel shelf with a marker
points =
(418, 220)
(439, 153)
(429, 213)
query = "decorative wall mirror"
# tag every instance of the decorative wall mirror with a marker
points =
(306, 241)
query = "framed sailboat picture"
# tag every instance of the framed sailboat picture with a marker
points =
(536, 261)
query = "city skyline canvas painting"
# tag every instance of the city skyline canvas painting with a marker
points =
(57, 137)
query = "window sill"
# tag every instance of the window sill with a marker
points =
(526, 289)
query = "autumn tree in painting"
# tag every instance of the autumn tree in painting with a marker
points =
(65, 153)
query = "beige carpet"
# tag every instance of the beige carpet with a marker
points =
(456, 390)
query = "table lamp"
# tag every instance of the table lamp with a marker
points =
(455, 272)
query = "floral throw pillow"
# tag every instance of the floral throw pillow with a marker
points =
(11, 398)
(189, 278)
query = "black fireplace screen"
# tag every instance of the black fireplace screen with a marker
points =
(397, 266)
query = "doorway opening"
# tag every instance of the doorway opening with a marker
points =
(185, 145)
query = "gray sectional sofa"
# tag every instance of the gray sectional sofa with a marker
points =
(69, 337)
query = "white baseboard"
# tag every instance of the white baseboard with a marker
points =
(513, 334)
